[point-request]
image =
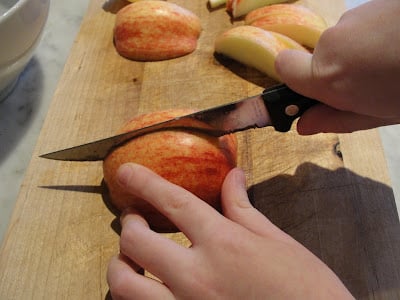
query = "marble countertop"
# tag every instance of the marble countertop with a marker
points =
(23, 113)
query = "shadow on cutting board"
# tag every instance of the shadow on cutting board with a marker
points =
(349, 221)
(247, 73)
(113, 6)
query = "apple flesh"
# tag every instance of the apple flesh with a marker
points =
(155, 30)
(195, 161)
(295, 21)
(240, 8)
(216, 3)
(254, 47)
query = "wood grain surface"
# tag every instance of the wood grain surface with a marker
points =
(330, 192)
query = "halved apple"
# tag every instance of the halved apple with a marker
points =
(254, 47)
(155, 30)
(239, 8)
(295, 21)
(193, 160)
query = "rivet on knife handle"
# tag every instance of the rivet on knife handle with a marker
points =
(285, 105)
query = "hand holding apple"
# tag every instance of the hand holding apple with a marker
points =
(237, 255)
(193, 160)
(155, 30)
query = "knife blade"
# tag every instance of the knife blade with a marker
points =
(277, 106)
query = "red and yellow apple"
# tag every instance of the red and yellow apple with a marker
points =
(254, 47)
(295, 21)
(239, 8)
(155, 30)
(195, 161)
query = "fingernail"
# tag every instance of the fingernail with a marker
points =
(125, 212)
(124, 174)
(240, 178)
(278, 63)
(242, 198)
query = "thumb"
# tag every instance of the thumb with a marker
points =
(323, 118)
(237, 207)
(295, 68)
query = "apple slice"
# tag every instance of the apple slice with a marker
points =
(155, 30)
(239, 8)
(295, 21)
(254, 47)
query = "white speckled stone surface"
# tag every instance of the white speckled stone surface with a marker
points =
(22, 114)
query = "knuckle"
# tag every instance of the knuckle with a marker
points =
(225, 237)
(139, 176)
(128, 235)
(330, 65)
(174, 203)
(325, 56)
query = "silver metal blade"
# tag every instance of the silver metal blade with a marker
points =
(241, 115)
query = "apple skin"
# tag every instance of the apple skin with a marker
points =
(195, 161)
(239, 8)
(155, 30)
(295, 21)
(254, 47)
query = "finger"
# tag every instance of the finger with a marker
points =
(125, 283)
(191, 215)
(157, 254)
(322, 118)
(237, 207)
(138, 269)
(295, 68)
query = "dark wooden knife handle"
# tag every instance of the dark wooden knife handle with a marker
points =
(285, 105)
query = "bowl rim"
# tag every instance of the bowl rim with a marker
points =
(12, 10)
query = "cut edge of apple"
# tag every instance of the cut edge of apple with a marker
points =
(304, 35)
(288, 42)
(239, 8)
(216, 3)
(254, 47)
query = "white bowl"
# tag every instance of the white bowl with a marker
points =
(21, 26)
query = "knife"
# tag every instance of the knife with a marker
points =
(277, 106)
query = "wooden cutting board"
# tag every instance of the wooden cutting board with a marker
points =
(330, 192)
